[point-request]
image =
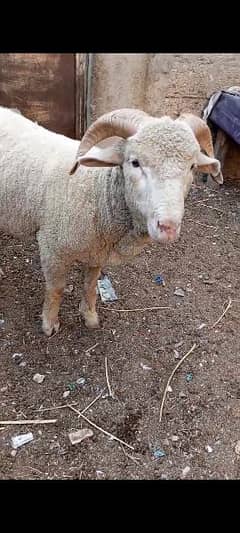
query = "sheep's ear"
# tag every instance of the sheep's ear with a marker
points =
(211, 166)
(106, 156)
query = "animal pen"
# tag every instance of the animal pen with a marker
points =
(153, 393)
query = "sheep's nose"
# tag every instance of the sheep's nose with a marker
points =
(170, 230)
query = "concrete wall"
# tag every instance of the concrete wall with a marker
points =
(162, 84)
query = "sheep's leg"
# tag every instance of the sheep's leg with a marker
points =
(55, 282)
(55, 271)
(88, 304)
(50, 320)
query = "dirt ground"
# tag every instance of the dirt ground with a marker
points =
(200, 427)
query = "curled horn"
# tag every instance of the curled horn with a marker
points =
(201, 132)
(120, 123)
(203, 135)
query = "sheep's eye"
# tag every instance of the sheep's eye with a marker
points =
(192, 167)
(135, 163)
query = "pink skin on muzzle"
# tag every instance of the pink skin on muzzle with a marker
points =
(168, 231)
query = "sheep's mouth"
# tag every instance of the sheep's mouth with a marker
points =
(165, 232)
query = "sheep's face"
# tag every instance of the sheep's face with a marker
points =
(158, 164)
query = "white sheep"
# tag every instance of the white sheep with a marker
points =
(98, 216)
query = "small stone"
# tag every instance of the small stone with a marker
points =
(179, 344)
(175, 438)
(2, 322)
(66, 393)
(203, 325)
(81, 381)
(20, 440)
(169, 389)
(38, 378)
(13, 453)
(23, 363)
(179, 292)
(176, 354)
(164, 476)
(186, 471)
(208, 449)
(182, 395)
(3, 389)
(237, 448)
(77, 436)
(100, 474)
(145, 367)
(17, 357)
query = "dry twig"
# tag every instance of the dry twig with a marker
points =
(134, 459)
(26, 422)
(35, 470)
(90, 404)
(223, 314)
(211, 207)
(67, 405)
(170, 379)
(100, 429)
(53, 408)
(107, 378)
(200, 223)
(133, 310)
(91, 347)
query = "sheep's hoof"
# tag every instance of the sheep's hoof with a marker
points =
(91, 319)
(49, 328)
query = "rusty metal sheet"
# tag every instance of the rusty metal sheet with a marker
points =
(42, 87)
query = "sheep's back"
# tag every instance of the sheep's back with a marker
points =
(32, 159)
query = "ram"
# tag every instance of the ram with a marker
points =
(134, 193)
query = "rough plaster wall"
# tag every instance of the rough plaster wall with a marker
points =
(177, 82)
(163, 84)
(118, 80)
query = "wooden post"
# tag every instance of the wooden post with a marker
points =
(81, 89)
